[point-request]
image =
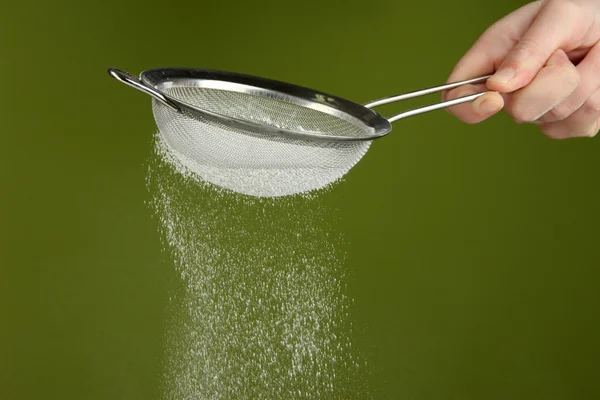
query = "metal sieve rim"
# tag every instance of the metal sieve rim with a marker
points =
(371, 121)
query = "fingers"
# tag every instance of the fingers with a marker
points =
(559, 24)
(585, 122)
(483, 58)
(557, 80)
(494, 44)
(589, 72)
(553, 84)
(530, 50)
(478, 110)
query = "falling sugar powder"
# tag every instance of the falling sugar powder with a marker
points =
(262, 313)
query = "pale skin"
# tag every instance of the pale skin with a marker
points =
(545, 58)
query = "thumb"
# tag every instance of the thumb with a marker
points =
(555, 26)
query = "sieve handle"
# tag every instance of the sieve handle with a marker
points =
(135, 82)
(436, 106)
(424, 92)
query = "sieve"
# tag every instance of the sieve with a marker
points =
(264, 137)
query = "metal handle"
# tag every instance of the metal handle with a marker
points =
(135, 82)
(424, 92)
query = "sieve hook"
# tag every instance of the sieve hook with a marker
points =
(424, 92)
(136, 83)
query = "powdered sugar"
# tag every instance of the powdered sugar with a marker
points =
(263, 313)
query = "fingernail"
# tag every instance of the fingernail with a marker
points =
(488, 107)
(505, 75)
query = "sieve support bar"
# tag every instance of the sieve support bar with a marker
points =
(136, 83)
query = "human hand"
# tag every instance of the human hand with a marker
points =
(546, 59)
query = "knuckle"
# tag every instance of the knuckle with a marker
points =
(588, 133)
(523, 114)
(572, 77)
(560, 131)
(558, 113)
(564, 7)
(593, 131)
(527, 48)
(566, 74)
(556, 131)
(553, 134)
(593, 103)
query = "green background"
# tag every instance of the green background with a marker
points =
(473, 250)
